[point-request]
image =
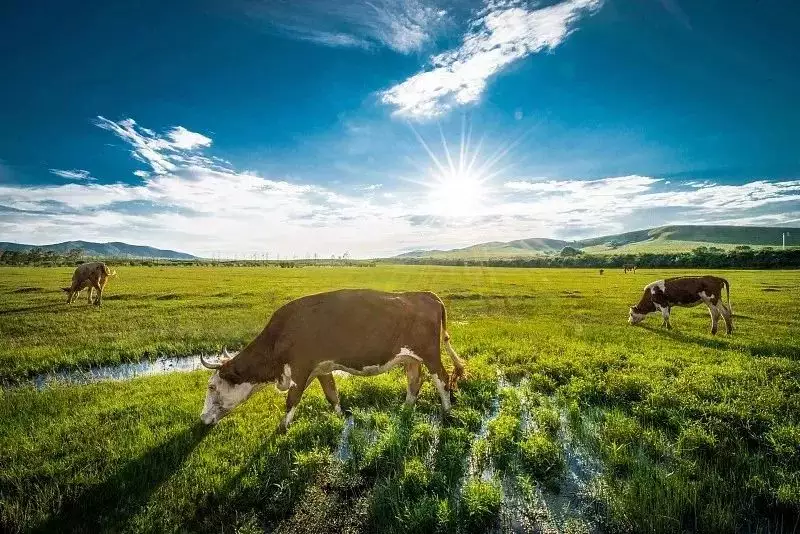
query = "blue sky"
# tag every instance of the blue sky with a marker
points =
(306, 127)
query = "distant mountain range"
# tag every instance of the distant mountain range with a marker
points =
(107, 250)
(656, 240)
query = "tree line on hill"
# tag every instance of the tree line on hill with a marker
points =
(742, 257)
(48, 258)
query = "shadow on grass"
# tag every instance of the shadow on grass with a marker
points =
(725, 342)
(53, 305)
(106, 506)
(712, 343)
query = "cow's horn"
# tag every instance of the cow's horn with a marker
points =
(225, 354)
(209, 365)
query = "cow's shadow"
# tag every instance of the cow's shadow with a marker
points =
(107, 506)
(24, 309)
(719, 343)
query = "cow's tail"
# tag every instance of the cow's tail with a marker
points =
(458, 363)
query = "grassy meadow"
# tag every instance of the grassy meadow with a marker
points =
(569, 420)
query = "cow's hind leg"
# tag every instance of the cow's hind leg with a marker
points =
(89, 291)
(727, 316)
(414, 382)
(440, 379)
(329, 388)
(712, 309)
(99, 300)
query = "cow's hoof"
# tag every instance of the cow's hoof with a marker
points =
(281, 430)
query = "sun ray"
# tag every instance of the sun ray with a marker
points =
(427, 149)
(460, 188)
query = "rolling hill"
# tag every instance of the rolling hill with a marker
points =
(104, 250)
(674, 238)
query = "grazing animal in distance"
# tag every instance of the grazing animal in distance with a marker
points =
(91, 276)
(602, 271)
(685, 291)
(359, 331)
(629, 267)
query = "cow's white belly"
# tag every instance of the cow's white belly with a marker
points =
(404, 357)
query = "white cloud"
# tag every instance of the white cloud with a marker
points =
(504, 32)
(194, 202)
(402, 25)
(186, 140)
(74, 174)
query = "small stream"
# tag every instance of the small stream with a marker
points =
(119, 371)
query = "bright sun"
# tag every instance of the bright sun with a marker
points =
(456, 194)
(456, 183)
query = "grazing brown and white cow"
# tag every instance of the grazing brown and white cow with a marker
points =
(685, 291)
(359, 331)
(629, 267)
(91, 276)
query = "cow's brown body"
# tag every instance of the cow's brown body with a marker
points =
(89, 276)
(359, 331)
(629, 267)
(685, 291)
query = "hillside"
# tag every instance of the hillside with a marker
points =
(674, 238)
(104, 250)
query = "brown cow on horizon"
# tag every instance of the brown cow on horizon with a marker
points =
(359, 331)
(685, 291)
(91, 276)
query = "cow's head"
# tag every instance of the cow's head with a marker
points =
(225, 391)
(635, 316)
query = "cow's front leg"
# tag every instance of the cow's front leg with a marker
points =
(665, 317)
(89, 291)
(329, 388)
(292, 400)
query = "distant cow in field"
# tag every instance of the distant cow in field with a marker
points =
(359, 331)
(602, 271)
(686, 291)
(91, 276)
(629, 267)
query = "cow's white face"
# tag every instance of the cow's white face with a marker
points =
(222, 397)
(635, 317)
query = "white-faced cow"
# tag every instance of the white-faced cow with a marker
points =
(685, 291)
(91, 276)
(359, 331)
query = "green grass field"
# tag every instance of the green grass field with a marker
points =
(684, 431)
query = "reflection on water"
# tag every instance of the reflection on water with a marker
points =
(121, 371)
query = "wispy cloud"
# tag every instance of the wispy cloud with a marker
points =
(504, 32)
(190, 200)
(74, 174)
(402, 25)
(163, 153)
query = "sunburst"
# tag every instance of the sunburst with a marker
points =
(461, 186)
